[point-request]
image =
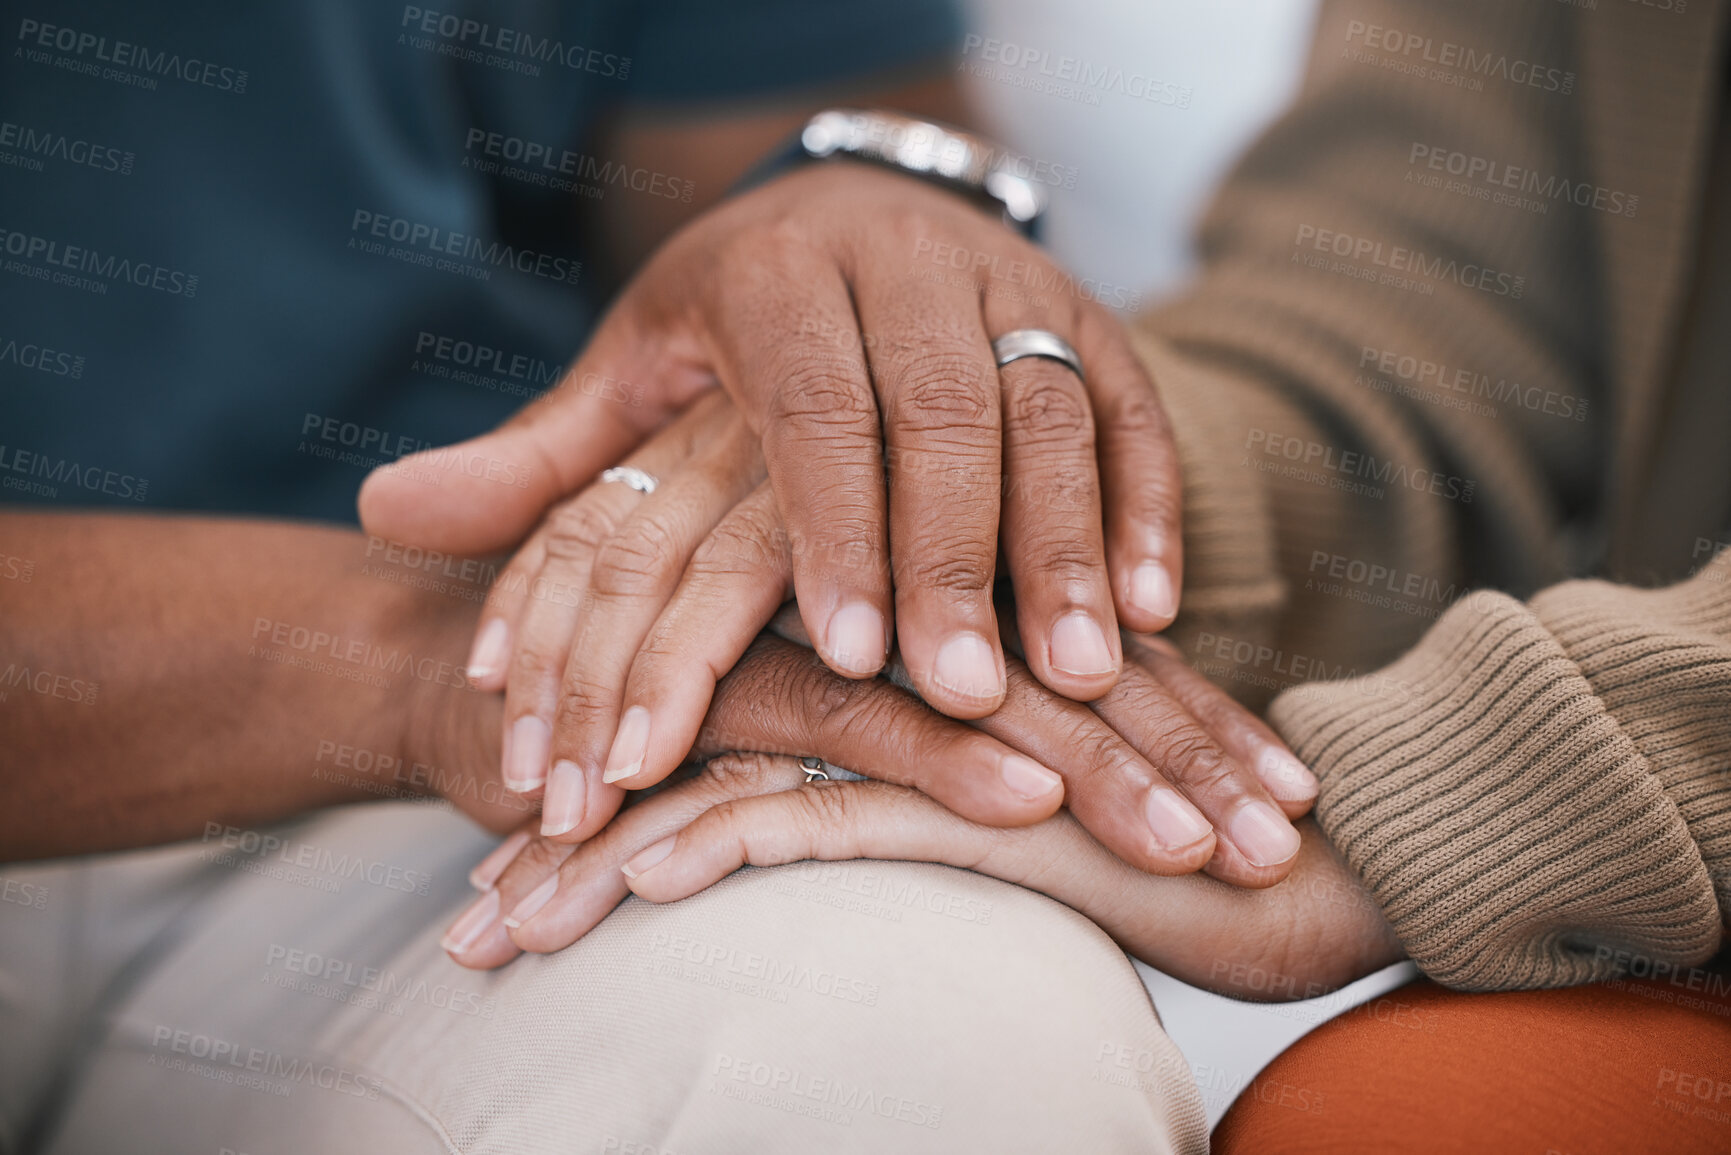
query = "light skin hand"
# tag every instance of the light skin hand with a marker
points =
(780, 699)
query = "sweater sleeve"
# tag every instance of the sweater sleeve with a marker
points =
(1539, 794)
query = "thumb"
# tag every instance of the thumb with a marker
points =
(485, 494)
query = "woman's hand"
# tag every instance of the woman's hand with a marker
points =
(850, 311)
(781, 699)
(1315, 931)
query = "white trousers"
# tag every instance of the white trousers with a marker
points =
(283, 992)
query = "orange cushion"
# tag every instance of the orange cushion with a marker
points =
(1628, 1066)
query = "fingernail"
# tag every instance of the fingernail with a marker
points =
(526, 756)
(856, 638)
(567, 791)
(649, 857)
(532, 902)
(472, 923)
(1027, 778)
(629, 745)
(1151, 590)
(966, 666)
(488, 870)
(1262, 834)
(1079, 646)
(487, 657)
(1175, 823)
(1284, 776)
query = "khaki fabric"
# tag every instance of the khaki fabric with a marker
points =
(1459, 330)
(848, 1007)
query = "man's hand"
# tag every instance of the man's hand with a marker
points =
(849, 311)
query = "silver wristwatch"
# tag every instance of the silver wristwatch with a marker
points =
(936, 152)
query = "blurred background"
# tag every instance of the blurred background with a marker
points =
(1190, 86)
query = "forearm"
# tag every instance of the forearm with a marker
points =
(163, 673)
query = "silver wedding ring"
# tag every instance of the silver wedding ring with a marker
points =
(1021, 343)
(632, 476)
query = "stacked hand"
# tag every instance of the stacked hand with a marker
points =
(862, 431)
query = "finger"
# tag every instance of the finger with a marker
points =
(1052, 534)
(563, 907)
(738, 578)
(933, 366)
(498, 626)
(1111, 788)
(485, 494)
(541, 638)
(1142, 489)
(634, 573)
(791, 346)
(828, 821)
(1256, 844)
(781, 698)
(478, 937)
(1241, 733)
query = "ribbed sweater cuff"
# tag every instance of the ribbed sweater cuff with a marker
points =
(1513, 833)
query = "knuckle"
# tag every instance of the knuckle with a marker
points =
(575, 529)
(1041, 404)
(745, 543)
(815, 398)
(736, 773)
(1068, 560)
(1196, 760)
(943, 390)
(950, 568)
(636, 561)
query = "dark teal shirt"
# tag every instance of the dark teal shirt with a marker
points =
(248, 251)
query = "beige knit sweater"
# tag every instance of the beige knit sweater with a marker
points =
(1465, 325)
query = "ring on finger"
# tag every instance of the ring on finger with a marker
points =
(632, 477)
(1019, 343)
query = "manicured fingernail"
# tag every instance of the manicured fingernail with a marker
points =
(966, 666)
(1151, 590)
(532, 903)
(1262, 834)
(629, 745)
(1284, 776)
(1079, 646)
(1175, 823)
(855, 639)
(649, 857)
(526, 755)
(567, 791)
(1027, 778)
(487, 657)
(472, 923)
(488, 870)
